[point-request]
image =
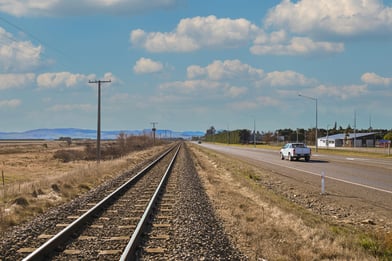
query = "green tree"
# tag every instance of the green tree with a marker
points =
(211, 131)
(244, 136)
(388, 136)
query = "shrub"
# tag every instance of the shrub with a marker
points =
(21, 201)
(69, 155)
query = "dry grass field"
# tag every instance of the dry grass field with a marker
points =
(34, 180)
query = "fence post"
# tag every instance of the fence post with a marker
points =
(322, 183)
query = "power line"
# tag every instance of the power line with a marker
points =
(37, 39)
(32, 36)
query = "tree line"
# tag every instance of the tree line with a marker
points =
(246, 136)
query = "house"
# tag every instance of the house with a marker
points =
(348, 140)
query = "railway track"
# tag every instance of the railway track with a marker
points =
(112, 228)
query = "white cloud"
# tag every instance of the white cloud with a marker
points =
(227, 69)
(8, 81)
(343, 92)
(296, 46)
(236, 70)
(81, 7)
(18, 56)
(10, 103)
(233, 91)
(192, 34)
(331, 17)
(145, 65)
(286, 78)
(372, 78)
(198, 32)
(60, 79)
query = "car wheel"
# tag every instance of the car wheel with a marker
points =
(281, 156)
(290, 158)
(307, 159)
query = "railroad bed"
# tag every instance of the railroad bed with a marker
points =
(180, 224)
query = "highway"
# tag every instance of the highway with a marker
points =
(371, 173)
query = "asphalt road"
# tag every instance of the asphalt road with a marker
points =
(370, 173)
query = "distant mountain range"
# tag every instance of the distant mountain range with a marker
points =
(53, 134)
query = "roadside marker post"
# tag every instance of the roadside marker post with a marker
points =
(322, 182)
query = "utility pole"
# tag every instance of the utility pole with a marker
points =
(254, 133)
(99, 119)
(355, 127)
(314, 99)
(154, 130)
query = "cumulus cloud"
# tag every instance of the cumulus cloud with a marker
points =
(374, 79)
(235, 69)
(192, 34)
(18, 56)
(10, 103)
(145, 65)
(343, 92)
(331, 17)
(62, 79)
(195, 33)
(296, 46)
(81, 7)
(227, 69)
(234, 91)
(9, 81)
(286, 78)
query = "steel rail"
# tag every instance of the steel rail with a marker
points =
(44, 250)
(129, 252)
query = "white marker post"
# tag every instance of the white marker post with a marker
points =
(322, 182)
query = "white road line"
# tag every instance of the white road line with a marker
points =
(341, 180)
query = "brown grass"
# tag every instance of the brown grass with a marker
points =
(265, 225)
(34, 180)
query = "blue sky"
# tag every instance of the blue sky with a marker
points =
(189, 65)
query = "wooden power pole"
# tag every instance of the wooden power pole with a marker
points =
(99, 119)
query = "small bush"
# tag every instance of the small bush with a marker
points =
(84, 187)
(55, 188)
(69, 155)
(21, 201)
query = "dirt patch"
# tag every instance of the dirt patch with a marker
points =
(267, 218)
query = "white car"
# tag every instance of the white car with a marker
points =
(295, 151)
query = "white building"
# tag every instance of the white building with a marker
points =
(347, 140)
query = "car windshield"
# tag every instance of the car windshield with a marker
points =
(298, 145)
